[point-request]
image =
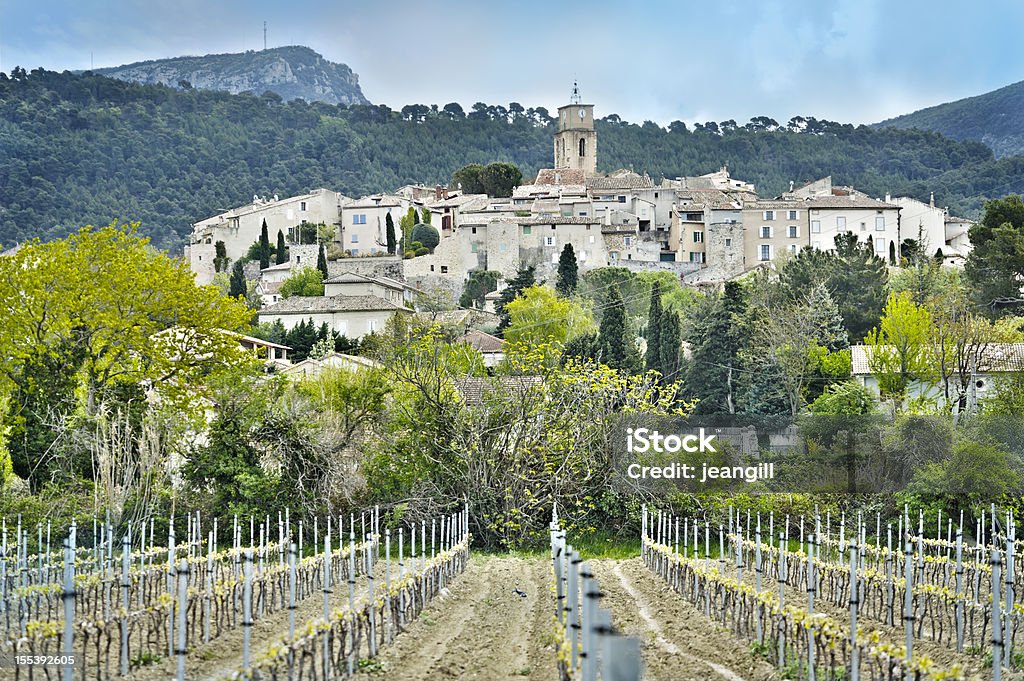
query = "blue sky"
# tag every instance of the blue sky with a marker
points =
(847, 60)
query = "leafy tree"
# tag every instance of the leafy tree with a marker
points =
(478, 285)
(425, 216)
(568, 272)
(900, 345)
(264, 247)
(524, 279)
(539, 317)
(321, 262)
(389, 234)
(654, 315)
(468, 179)
(282, 251)
(995, 265)
(831, 332)
(426, 235)
(842, 399)
(238, 284)
(499, 179)
(406, 224)
(306, 281)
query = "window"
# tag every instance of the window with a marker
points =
(503, 247)
(526, 230)
(815, 226)
(355, 251)
(474, 230)
(298, 259)
(444, 269)
(816, 245)
(697, 257)
(766, 231)
(840, 224)
(794, 215)
(728, 241)
(880, 247)
(769, 215)
(622, 199)
(549, 241)
(614, 255)
(583, 148)
(472, 248)
(628, 241)
(766, 253)
(371, 325)
(879, 223)
(794, 249)
(794, 231)
(863, 227)
(698, 237)
(302, 205)
(355, 238)
(359, 219)
(591, 238)
(694, 217)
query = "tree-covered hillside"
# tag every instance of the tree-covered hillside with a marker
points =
(994, 118)
(83, 148)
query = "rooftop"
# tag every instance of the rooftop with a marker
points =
(475, 391)
(484, 342)
(995, 358)
(311, 304)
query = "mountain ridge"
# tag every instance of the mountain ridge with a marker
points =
(292, 72)
(994, 118)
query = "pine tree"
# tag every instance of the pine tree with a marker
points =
(321, 261)
(568, 272)
(389, 226)
(524, 278)
(669, 343)
(654, 315)
(264, 247)
(714, 368)
(282, 255)
(237, 282)
(831, 332)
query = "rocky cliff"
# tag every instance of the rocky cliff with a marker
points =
(291, 72)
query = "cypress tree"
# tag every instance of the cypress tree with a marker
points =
(282, 256)
(613, 330)
(669, 345)
(321, 261)
(389, 226)
(568, 272)
(237, 282)
(264, 247)
(654, 321)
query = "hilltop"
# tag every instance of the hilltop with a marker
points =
(84, 149)
(292, 72)
(995, 118)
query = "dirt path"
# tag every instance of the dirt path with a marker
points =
(480, 629)
(679, 642)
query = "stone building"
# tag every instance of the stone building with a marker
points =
(575, 141)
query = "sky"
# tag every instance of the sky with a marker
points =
(853, 61)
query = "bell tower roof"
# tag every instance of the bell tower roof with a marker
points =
(575, 98)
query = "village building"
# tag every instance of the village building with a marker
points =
(352, 316)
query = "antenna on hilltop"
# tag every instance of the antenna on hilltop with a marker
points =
(575, 98)
(264, 36)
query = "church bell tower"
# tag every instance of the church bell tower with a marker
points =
(576, 139)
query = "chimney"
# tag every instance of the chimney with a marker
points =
(888, 197)
(791, 186)
(438, 195)
(931, 200)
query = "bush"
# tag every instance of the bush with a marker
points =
(422, 250)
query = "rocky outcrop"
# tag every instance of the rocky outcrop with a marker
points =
(291, 72)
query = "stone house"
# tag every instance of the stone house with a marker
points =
(350, 316)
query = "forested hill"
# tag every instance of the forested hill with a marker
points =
(83, 148)
(995, 118)
(291, 72)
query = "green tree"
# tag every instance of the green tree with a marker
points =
(539, 317)
(524, 279)
(669, 342)
(264, 247)
(321, 262)
(654, 315)
(306, 281)
(716, 337)
(499, 179)
(426, 235)
(618, 349)
(389, 234)
(406, 224)
(478, 285)
(568, 272)
(238, 285)
(282, 251)
(220, 260)
(467, 178)
(995, 265)
(899, 348)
